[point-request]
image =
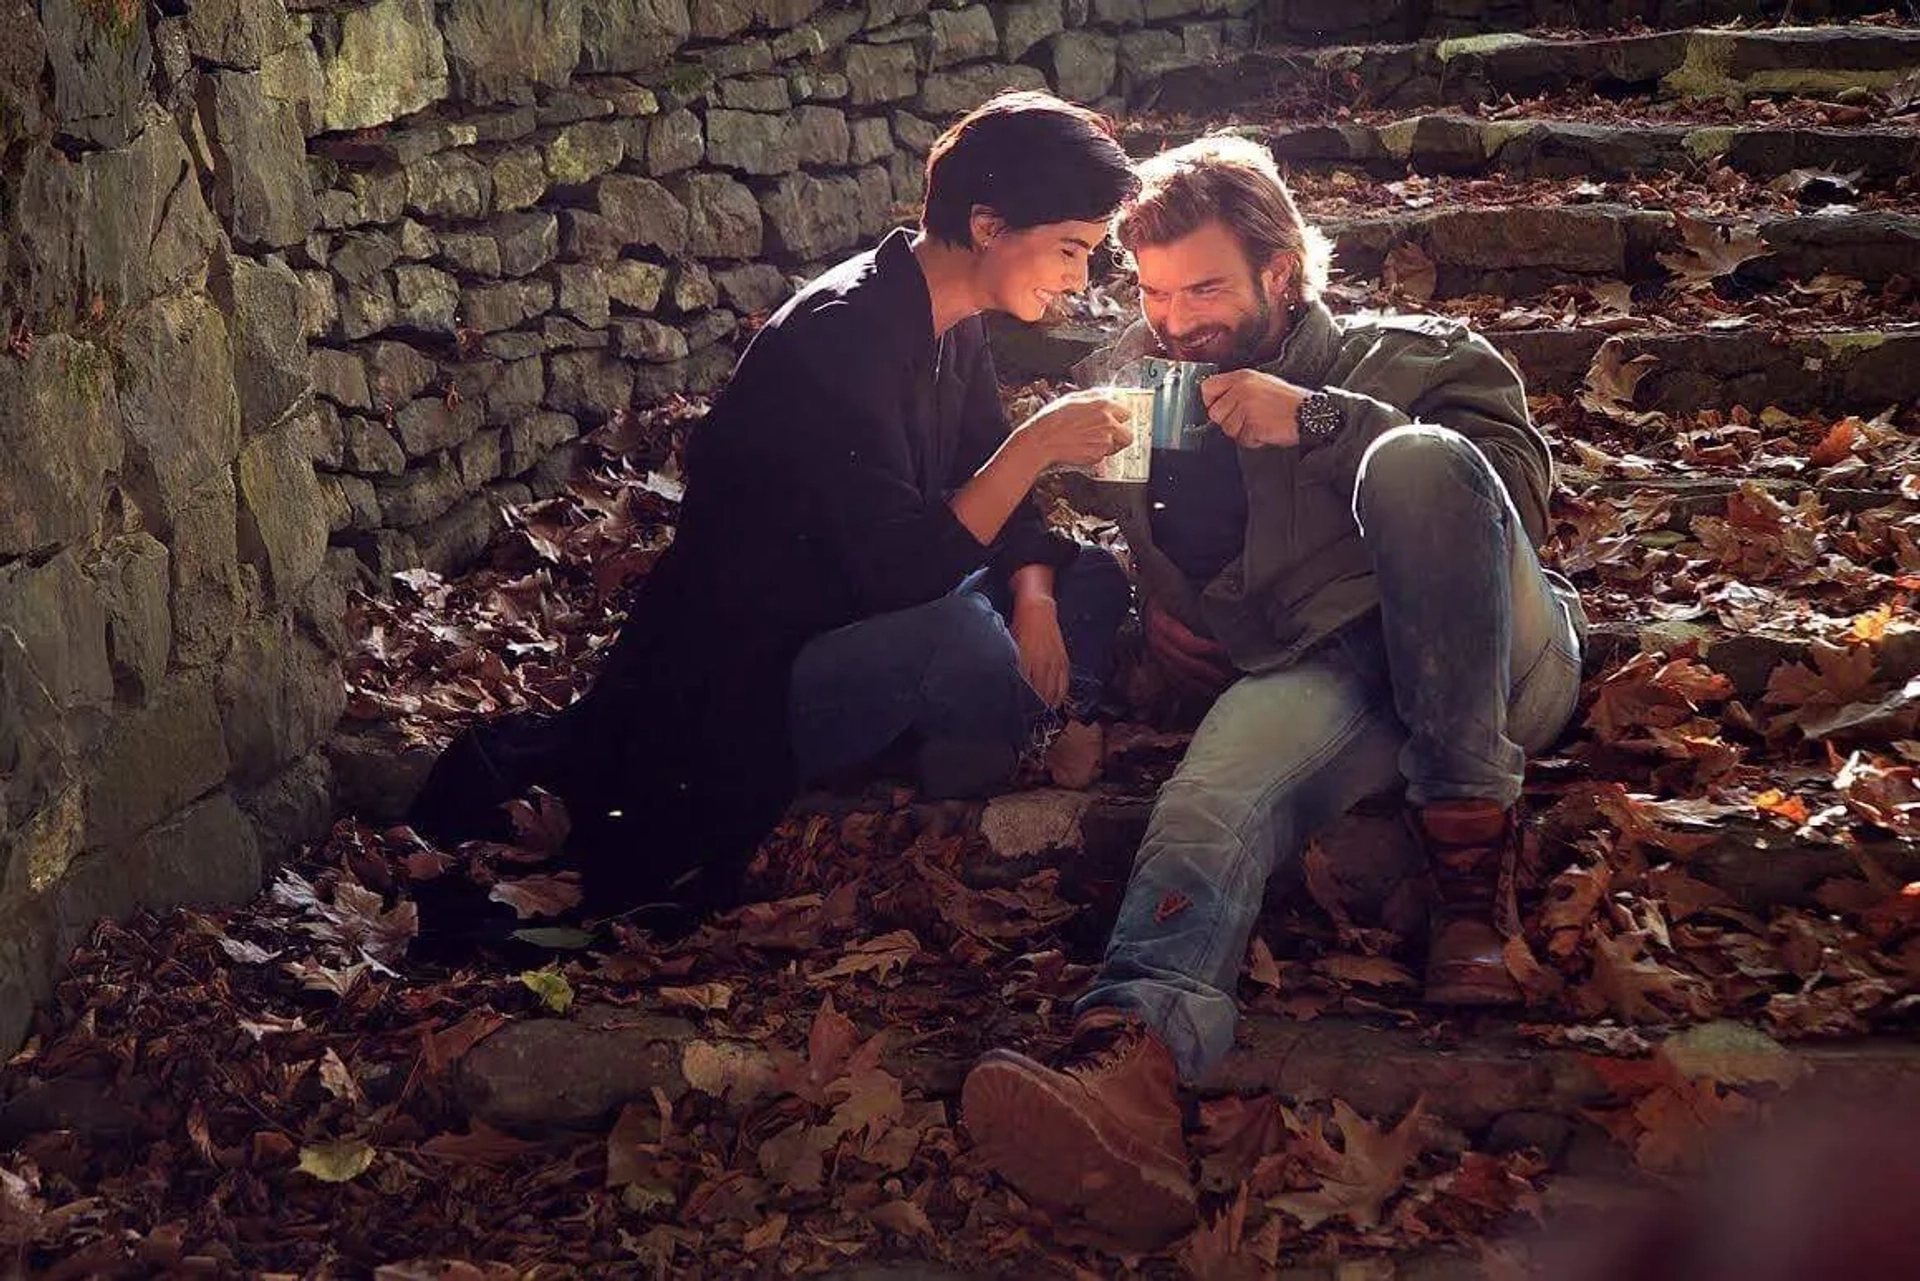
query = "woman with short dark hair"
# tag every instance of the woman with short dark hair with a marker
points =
(858, 566)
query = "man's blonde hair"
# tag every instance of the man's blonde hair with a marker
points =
(1232, 180)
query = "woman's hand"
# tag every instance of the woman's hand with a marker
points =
(1043, 650)
(1079, 429)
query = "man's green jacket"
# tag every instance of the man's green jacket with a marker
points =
(1303, 572)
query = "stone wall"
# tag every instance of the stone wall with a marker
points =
(168, 641)
(1361, 21)
(528, 213)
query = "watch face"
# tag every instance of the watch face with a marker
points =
(1319, 415)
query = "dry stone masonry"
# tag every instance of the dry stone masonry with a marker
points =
(298, 293)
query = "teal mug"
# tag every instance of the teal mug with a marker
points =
(1179, 410)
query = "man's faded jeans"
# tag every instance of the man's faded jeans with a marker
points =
(949, 669)
(1472, 661)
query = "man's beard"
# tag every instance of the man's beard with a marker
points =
(1230, 347)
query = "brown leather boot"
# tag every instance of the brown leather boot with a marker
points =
(1471, 848)
(1100, 1134)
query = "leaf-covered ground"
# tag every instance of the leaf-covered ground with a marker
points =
(277, 1088)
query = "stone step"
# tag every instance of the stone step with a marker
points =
(1495, 1071)
(1535, 147)
(1519, 250)
(1698, 63)
(1747, 659)
(1842, 370)
(1315, 22)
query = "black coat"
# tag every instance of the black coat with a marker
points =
(816, 496)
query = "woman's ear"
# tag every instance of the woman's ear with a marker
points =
(985, 225)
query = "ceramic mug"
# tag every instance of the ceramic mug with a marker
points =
(1130, 465)
(1179, 410)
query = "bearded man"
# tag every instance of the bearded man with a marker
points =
(1349, 565)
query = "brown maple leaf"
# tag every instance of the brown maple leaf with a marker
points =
(1711, 250)
(1611, 381)
(1357, 1178)
(534, 896)
(882, 956)
(1636, 987)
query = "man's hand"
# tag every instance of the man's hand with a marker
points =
(1043, 650)
(1192, 661)
(1253, 408)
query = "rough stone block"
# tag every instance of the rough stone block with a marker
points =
(237, 33)
(691, 289)
(1568, 238)
(631, 35)
(1025, 25)
(368, 308)
(718, 19)
(880, 73)
(503, 50)
(725, 220)
(589, 385)
(582, 152)
(259, 161)
(419, 495)
(427, 298)
(370, 448)
(177, 399)
(636, 285)
(547, 1072)
(100, 64)
(752, 287)
(50, 480)
(130, 574)
(451, 543)
(506, 389)
(397, 372)
(1145, 54)
(318, 304)
(491, 307)
(755, 93)
(279, 697)
(478, 461)
(675, 141)
(471, 253)
(642, 213)
(362, 256)
(949, 93)
(650, 340)
(752, 142)
(526, 242)
(582, 292)
(1118, 13)
(156, 759)
(876, 200)
(961, 35)
(809, 217)
(821, 135)
(1084, 64)
(428, 424)
(56, 682)
(868, 140)
(417, 240)
(908, 175)
(519, 179)
(207, 596)
(915, 133)
(292, 809)
(450, 184)
(533, 437)
(279, 507)
(380, 62)
(203, 856)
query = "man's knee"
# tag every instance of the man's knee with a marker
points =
(1415, 469)
(1208, 826)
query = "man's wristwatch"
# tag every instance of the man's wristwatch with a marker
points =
(1320, 417)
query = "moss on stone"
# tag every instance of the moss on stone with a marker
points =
(1703, 144)
(1448, 50)
(1847, 344)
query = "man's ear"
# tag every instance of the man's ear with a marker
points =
(984, 224)
(1276, 278)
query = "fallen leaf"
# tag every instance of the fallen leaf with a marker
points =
(765, 1235)
(888, 954)
(538, 895)
(705, 997)
(480, 1145)
(1374, 971)
(1358, 1178)
(551, 987)
(1409, 272)
(904, 1217)
(338, 1161)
